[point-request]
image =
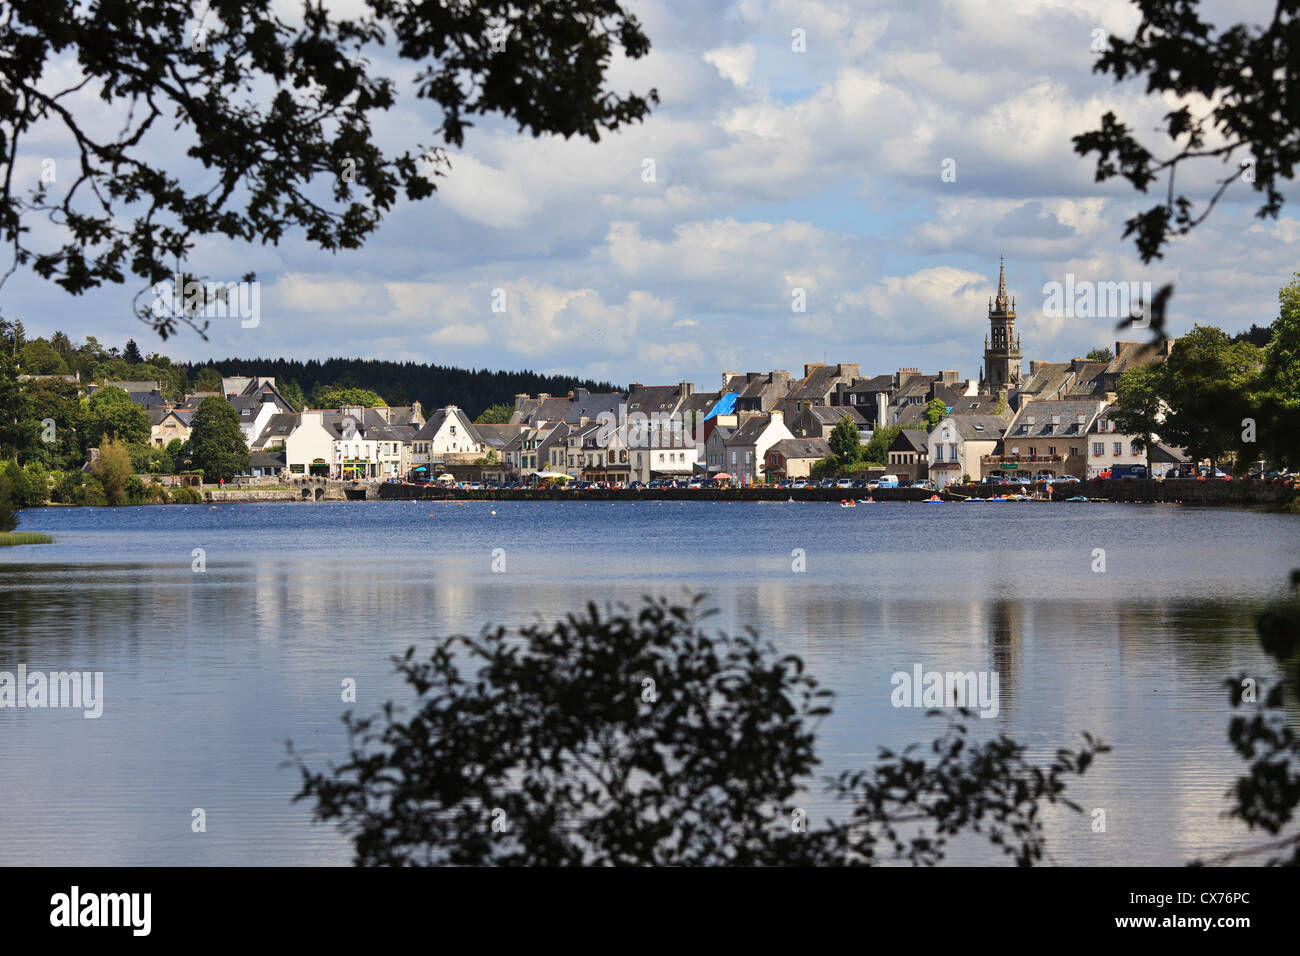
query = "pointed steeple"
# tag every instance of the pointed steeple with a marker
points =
(1002, 302)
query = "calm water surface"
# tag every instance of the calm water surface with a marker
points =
(208, 675)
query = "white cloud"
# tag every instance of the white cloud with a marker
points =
(733, 62)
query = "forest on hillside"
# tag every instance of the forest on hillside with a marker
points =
(397, 383)
(400, 383)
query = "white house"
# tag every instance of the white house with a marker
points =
(309, 448)
(957, 444)
(747, 447)
(447, 437)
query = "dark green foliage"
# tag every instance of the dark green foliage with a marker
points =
(1138, 405)
(8, 518)
(846, 441)
(110, 413)
(59, 403)
(877, 450)
(496, 414)
(282, 115)
(216, 445)
(636, 737)
(1267, 796)
(433, 386)
(292, 393)
(1206, 381)
(935, 412)
(186, 496)
(334, 396)
(1246, 122)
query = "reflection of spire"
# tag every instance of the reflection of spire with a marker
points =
(1006, 634)
(1003, 303)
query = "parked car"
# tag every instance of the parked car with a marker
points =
(923, 483)
(1065, 480)
(1128, 472)
(800, 483)
(887, 481)
(785, 483)
(844, 483)
(695, 484)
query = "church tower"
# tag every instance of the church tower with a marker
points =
(1002, 357)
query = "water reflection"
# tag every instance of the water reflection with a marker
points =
(208, 674)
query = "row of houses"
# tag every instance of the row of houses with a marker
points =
(756, 426)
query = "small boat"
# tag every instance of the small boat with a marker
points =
(847, 503)
(1077, 498)
(932, 499)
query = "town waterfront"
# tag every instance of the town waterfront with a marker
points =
(207, 674)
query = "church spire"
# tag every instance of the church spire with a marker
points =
(1003, 303)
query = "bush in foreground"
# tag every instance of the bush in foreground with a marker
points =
(636, 737)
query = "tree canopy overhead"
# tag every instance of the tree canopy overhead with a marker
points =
(278, 115)
(1236, 92)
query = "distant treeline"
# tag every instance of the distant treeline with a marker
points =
(433, 386)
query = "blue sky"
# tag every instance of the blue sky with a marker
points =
(775, 170)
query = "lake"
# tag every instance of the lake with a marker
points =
(207, 675)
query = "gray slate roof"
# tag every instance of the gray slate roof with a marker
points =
(814, 448)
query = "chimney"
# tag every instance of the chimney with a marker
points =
(809, 366)
(905, 375)
(778, 416)
(948, 377)
(685, 389)
(849, 370)
(1056, 420)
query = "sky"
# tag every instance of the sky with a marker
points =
(776, 169)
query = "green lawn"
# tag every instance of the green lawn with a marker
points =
(24, 537)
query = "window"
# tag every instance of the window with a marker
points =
(1135, 451)
(1119, 448)
(1051, 449)
(1098, 448)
